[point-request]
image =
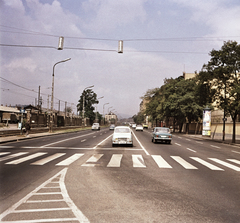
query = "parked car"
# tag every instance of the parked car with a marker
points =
(95, 126)
(161, 134)
(122, 135)
(112, 127)
(139, 128)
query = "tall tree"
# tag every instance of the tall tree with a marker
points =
(223, 70)
(90, 98)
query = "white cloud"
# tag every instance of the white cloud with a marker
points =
(110, 14)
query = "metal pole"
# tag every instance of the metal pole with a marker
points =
(51, 117)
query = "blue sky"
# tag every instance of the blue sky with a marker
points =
(161, 39)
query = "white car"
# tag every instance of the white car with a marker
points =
(95, 126)
(139, 128)
(122, 135)
(134, 125)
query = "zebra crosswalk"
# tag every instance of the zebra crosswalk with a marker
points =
(116, 160)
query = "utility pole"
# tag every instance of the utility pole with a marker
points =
(38, 98)
(59, 107)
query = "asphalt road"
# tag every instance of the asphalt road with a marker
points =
(79, 177)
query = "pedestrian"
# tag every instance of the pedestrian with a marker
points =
(28, 127)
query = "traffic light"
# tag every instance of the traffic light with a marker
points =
(60, 43)
(120, 46)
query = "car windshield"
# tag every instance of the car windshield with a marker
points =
(162, 130)
(122, 130)
(139, 126)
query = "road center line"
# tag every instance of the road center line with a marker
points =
(141, 144)
(102, 142)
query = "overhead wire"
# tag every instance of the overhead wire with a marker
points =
(11, 91)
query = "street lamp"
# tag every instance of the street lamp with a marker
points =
(109, 108)
(84, 103)
(103, 113)
(96, 107)
(51, 118)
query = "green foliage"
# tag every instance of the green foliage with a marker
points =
(224, 78)
(90, 98)
(139, 118)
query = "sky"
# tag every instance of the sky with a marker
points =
(161, 39)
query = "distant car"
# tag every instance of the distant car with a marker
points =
(95, 126)
(122, 135)
(161, 134)
(134, 125)
(145, 126)
(112, 127)
(139, 128)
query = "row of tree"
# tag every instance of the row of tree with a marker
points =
(217, 85)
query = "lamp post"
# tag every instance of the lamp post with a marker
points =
(83, 122)
(51, 118)
(108, 113)
(109, 108)
(103, 113)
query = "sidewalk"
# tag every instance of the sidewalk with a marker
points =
(34, 135)
(217, 138)
(25, 137)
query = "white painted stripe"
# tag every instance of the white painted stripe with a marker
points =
(179, 137)
(94, 136)
(225, 164)
(12, 156)
(79, 215)
(138, 161)
(184, 163)
(51, 187)
(48, 159)
(44, 220)
(178, 144)
(64, 140)
(160, 161)
(102, 142)
(235, 152)
(209, 165)
(215, 146)
(43, 201)
(141, 144)
(6, 147)
(24, 159)
(47, 193)
(198, 142)
(41, 210)
(115, 160)
(83, 140)
(94, 148)
(188, 139)
(4, 153)
(234, 161)
(70, 160)
(92, 161)
(191, 150)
